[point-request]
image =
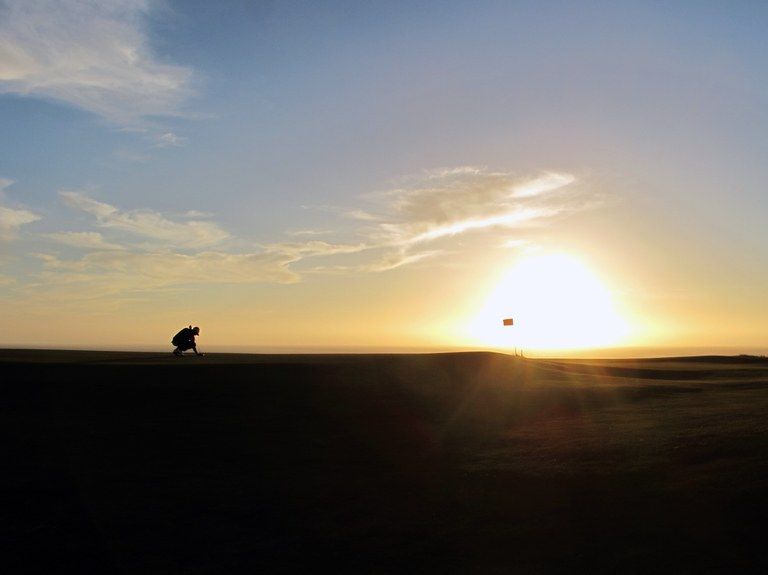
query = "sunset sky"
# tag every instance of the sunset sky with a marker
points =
(384, 175)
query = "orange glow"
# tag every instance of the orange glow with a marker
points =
(556, 303)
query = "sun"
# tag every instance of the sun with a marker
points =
(557, 303)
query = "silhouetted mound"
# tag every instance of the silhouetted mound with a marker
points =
(471, 462)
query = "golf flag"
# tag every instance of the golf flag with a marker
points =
(508, 321)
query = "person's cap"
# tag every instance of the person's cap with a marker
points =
(196, 329)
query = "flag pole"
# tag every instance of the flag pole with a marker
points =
(508, 321)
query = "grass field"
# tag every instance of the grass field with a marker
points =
(476, 462)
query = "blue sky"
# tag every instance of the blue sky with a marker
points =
(312, 142)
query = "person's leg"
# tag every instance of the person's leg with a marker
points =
(182, 348)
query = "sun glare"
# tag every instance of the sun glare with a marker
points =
(556, 303)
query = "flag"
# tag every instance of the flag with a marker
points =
(508, 321)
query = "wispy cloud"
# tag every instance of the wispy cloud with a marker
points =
(110, 268)
(410, 224)
(116, 274)
(92, 55)
(196, 214)
(148, 223)
(398, 258)
(85, 240)
(300, 233)
(11, 220)
(360, 215)
(510, 219)
(450, 202)
(405, 225)
(546, 183)
(313, 248)
(169, 140)
(110, 279)
(113, 272)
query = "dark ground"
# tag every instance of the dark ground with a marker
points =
(448, 463)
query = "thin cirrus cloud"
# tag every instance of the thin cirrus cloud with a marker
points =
(404, 225)
(85, 240)
(395, 259)
(546, 183)
(441, 204)
(169, 140)
(110, 269)
(11, 220)
(410, 224)
(450, 202)
(103, 279)
(92, 55)
(103, 273)
(313, 248)
(148, 223)
(508, 219)
(197, 214)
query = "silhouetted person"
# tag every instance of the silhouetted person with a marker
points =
(185, 340)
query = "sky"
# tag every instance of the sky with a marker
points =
(384, 175)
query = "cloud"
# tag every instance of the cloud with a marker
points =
(541, 185)
(446, 202)
(109, 274)
(148, 223)
(169, 140)
(92, 55)
(414, 222)
(360, 215)
(441, 204)
(313, 248)
(196, 214)
(384, 261)
(440, 173)
(396, 259)
(11, 220)
(450, 202)
(87, 240)
(298, 233)
(167, 268)
(512, 218)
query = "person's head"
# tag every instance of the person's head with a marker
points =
(196, 330)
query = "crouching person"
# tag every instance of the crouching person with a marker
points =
(185, 340)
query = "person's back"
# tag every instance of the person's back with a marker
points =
(183, 336)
